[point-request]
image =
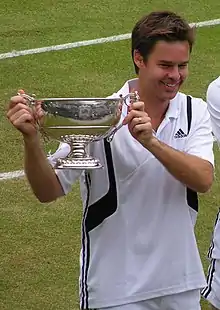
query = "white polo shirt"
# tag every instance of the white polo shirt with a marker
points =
(213, 101)
(138, 237)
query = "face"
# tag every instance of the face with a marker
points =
(165, 70)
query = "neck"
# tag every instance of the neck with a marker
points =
(155, 107)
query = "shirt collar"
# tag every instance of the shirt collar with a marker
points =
(174, 106)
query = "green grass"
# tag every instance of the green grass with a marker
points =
(41, 250)
(40, 243)
(29, 24)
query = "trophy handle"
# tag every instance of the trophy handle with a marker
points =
(31, 99)
(132, 96)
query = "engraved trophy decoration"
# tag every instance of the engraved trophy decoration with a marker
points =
(78, 122)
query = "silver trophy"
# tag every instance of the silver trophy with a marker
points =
(78, 122)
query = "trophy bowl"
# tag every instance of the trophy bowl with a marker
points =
(78, 122)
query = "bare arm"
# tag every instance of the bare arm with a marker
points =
(39, 172)
(196, 173)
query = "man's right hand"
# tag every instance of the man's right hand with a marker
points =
(40, 174)
(23, 117)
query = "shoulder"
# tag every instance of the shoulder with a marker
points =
(213, 102)
(199, 117)
(199, 106)
(214, 86)
(213, 94)
(126, 88)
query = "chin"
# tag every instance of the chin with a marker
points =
(172, 96)
(168, 96)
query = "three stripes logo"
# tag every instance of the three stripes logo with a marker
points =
(180, 134)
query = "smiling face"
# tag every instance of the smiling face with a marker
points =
(165, 69)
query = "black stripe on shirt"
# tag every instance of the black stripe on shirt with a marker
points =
(107, 205)
(83, 290)
(95, 215)
(192, 199)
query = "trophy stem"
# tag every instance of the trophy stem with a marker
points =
(78, 157)
(78, 150)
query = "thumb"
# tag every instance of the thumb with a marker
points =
(21, 92)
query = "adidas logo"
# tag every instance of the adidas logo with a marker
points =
(180, 134)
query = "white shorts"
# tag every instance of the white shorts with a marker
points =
(189, 300)
(212, 291)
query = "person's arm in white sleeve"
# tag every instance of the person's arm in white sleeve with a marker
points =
(66, 177)
(213, 102)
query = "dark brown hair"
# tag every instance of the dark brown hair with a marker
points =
(157, 26)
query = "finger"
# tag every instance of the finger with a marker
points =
(146, 127)
(38, 102)
(139, 120)
(22, 119)
(38, 115)
(133, 114)
(19, 114)
(138, 105)
(38, 106)
(15, 100)
(19, 106)
(21, 92)
(38, 111)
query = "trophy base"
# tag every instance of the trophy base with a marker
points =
(88, 163)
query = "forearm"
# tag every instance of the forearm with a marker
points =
(40, 174)
(190, 170)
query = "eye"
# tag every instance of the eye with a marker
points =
(165, 65)
(182, 66)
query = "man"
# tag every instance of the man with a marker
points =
(138, 244)
(212, 291)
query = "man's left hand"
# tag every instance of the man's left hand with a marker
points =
(139, 123)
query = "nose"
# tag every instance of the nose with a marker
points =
(174, 73)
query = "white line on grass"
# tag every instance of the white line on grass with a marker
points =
(11, 175)
(115, 38)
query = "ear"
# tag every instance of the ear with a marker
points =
(138, 59)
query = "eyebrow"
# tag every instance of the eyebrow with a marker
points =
(171, 62)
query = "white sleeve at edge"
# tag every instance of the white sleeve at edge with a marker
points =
(213, 102)
(200, 140)
(67, 177)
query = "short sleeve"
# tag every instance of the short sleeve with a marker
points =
(213, 102)
(67, 177)
(200, 139)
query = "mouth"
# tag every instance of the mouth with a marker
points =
(173, 85)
